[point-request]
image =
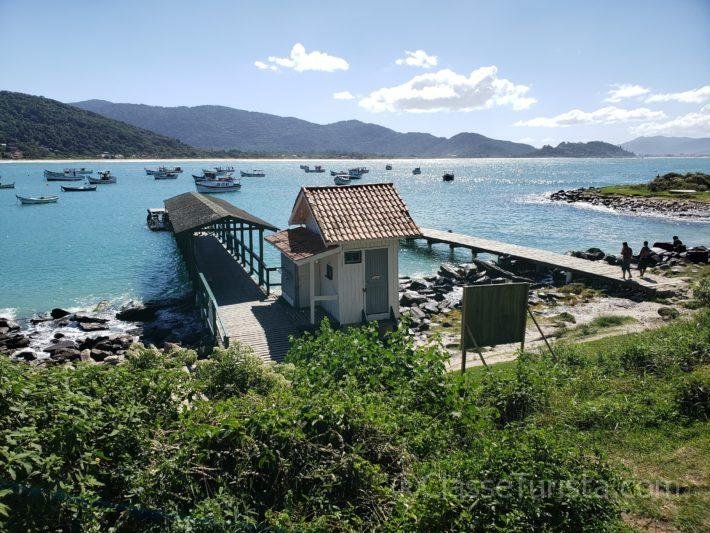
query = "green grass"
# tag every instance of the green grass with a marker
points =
(595, 326)
(644, 191)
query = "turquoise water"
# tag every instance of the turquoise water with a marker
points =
(95, 246)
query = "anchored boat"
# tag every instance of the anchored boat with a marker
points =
(30, 200)
(317, 169)
(79, 188)
(253, 174)
(7, 185)
(388, 167)
(448, 176)
(157, 219)
(217, 186)
(417, 171)
(50, 175)
(105, 177)
(78, 171)
(342, 179)
(165, 175)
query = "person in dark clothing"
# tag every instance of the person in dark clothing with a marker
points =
(626, 254)
(678, 245)
(644, 258)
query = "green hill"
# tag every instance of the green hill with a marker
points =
(43, 128)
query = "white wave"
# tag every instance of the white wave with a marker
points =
(8, 312)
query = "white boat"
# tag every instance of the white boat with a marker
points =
(165, 175)
(417, 171)
(61, 176)
(78, 171)
(30, 200)
(157, 219)
(253, 174)
(342, 180)
(150, 171)
(317, 169)
(7, 185)
(105, 177)
(217, 186)
(80, 188)
(169, 170)
(221, 171)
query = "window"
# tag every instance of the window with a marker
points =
(353, 258)
(328, 271)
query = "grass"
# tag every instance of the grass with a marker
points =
(644, 191)
(595, 326)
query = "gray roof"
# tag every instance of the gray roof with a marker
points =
(190, 211)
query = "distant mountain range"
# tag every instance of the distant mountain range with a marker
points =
(674, 146)
(38, 127)
(224, 128)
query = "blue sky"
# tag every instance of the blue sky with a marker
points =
(537, 71)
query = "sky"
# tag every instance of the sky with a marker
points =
(539, 72)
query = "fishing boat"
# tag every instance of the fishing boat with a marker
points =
(165, 176)
(217, 186)
(31, 200)
(342, 180)
(221, 171)
(61, 176)
(157, 219)
(417, 171)
(104, 178)
(388, 167)
(316, 169)
(303, 167)
(448, 176)
(78, 171)
(7, 185)
(169, 170)
(253, 174)
(150, 171)
(79, 188)
(355, 173)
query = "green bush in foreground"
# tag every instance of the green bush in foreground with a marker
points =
(354, 432)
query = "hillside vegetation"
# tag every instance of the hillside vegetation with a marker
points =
(40, 128)
(660, 186)
(589, 149)
(358, 433)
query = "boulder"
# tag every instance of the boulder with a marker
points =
(92, 326)
(138, 312)
(27, 355)
(85, 319)
(11, 325)
(58, 335)
(418, 285)
(40, 318)
(62, 345)
(85, 355)
(113, 359)
(699, 254)
(410, 298)
(67, 354)
(449, 271)
(668, 313)
(16, 341)
(59, 313)
(99, 355)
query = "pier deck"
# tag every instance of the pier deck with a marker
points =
(248, 316)
(594, 269)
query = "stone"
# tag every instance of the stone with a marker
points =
(99, 355)
(84, 319)
(85, 355)
(67, 354)
(112, 359)
(62, 345)
(418, 285)
(410, 298)
(170, 347)
(92, 326)
(137, 312)
(16, 341)
(59, 313)
(430, 308)
(448, 271)
(27, 355)
(11, 325)
(40, 318)
(668, 313)
(58, 335)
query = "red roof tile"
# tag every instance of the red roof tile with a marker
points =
(298, 243)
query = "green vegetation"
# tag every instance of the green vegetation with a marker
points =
(660, 186)
(355, 432)
(44, 128)
(595, 326)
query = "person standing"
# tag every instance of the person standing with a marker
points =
(626, 254)
(644, 259)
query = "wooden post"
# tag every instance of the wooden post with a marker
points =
(241, 242)
(251, 249)
(261, 256)
(312, 290)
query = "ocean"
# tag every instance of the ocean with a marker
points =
(95, 247)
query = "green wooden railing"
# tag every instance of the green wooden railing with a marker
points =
(208, 310)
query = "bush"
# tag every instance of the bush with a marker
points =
(693, 396)
(701, 292)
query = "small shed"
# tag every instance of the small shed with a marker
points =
(343, 254)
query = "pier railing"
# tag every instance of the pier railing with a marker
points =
(208, 310)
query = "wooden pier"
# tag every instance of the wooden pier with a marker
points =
(598, 270)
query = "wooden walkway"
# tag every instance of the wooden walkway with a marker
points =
(248, 316)
(593, 269)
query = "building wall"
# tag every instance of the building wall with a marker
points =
(327, 286)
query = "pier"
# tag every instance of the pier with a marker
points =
(596, 270)
(222, 246)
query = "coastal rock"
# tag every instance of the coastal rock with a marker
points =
(39, 319)
(27, 355)
(85, 356)
(59, 313)
(410, 298)
(138, 312)
(99, 355)
(15, 341)
(668, 313)
(92, 326)
(61, 345)
(11, 325)
(84, 319)
(449, 271)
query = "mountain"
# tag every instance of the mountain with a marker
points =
(660, 146)
(225, 128)
(39, 128)
(590, 149)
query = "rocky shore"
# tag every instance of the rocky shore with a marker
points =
(102, 336)
(673, 207)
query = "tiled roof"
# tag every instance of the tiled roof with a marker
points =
(298, 243)
(357, 212)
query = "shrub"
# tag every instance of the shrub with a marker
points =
(693, 396)
(701, 291)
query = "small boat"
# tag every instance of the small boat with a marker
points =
(105, 177)
(168, 170)
(448, 176)
(220, 171)
(79, 188)
(157, 219)
(316, 169)
(417, 171)
(199, 178)
(303, 167)
(30, 200)
(253, 174)
(165, 176)
(7, 185)
(150, 171)
(355, 173)
(61, 176)
(342, 180)
(78, 171)
(388, 167)
(217, 186)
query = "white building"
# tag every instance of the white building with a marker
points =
(343, 255)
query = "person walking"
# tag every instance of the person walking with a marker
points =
(644, 259)
(626, 254)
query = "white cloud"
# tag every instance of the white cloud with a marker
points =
(263, 66)
(301, 61)
(605, 115)
(446, 90)
(691, 124)
(343, 95)
(694, 96)
(619, 92)
(418, 58)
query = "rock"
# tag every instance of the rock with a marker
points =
(92, 326)
(418, 285)
(699, 254)
(4, 330)
(58, 335)
(668, 313)
(40, 318)
(59, 313)
(137, 312)
(11, 325)
(67, 354)
(62, 345)
(99, 355)
(448, 271)
(112, 359)
(27, 355)
(85, 355)
(410, 298)
(417, 313)
(16, 341)
(84, 319)
(430, 308)
(60, 322)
